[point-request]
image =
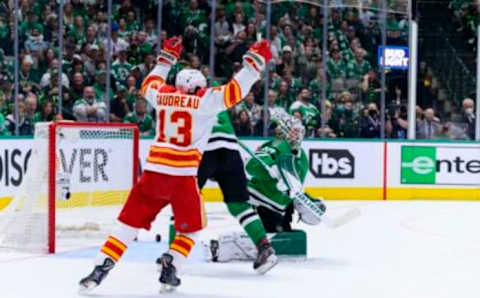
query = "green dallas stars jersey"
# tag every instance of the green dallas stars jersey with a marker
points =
(223, 134)
(271, 192)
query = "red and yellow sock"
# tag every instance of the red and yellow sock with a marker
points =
(113, 248)
(182, 244)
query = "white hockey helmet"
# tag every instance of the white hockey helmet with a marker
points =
(188, 80)
(306, 215)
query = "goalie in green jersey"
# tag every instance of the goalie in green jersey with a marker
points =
(275, 173)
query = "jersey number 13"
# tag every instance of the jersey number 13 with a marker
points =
(183, 120)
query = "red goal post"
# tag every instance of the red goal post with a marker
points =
(52, 153)
(78, 178)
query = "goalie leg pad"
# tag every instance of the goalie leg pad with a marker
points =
(235, 246)
(290, 244)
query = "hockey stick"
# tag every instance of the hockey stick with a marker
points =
(294, 184)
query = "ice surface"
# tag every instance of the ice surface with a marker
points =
(414, 249)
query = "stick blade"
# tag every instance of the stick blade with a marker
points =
(342, 219)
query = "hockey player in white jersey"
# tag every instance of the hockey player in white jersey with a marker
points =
(186, 113)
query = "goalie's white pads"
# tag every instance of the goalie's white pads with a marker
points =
(235, 246)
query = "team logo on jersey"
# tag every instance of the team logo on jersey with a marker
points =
(331, 163)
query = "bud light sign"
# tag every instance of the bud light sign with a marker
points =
(395, 57)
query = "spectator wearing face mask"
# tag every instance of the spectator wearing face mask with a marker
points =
(370, 122)
(429, 127)
(344, 120)
(469, 117)
(397, 122)
(90, 108)
(35, 43)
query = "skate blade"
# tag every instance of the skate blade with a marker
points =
(271, 262)
(165, 288)
(86, 289)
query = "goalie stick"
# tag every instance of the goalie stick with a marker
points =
(294, 184)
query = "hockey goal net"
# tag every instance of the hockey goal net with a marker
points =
(78, 177)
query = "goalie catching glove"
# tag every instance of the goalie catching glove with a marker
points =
(171, 51)
(309, 210)
(258, 56)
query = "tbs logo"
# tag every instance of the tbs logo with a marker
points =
(331, 163)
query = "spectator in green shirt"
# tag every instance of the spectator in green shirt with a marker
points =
(78, 31)
(99, 85)
(141, 118)
(193, 15)
(122, 29)
(285, 96)
(356, 69)
(132, 22)
(3, 127)
(336, 65)
(121, 67)
(31, 22)
(344, 120)
(310, 113)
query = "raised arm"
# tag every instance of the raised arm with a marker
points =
(171, 50)
(254, 61)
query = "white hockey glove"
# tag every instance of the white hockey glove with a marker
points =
(309, 210)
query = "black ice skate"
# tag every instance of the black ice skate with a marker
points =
(94, 279)
(266, 257)
(168, 273)
(214, 249)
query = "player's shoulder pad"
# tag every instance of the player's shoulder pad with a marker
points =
(281, 146)
(168, 89)
(201, 92)
(275, 147)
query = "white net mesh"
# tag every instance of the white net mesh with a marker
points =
(94, 172)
